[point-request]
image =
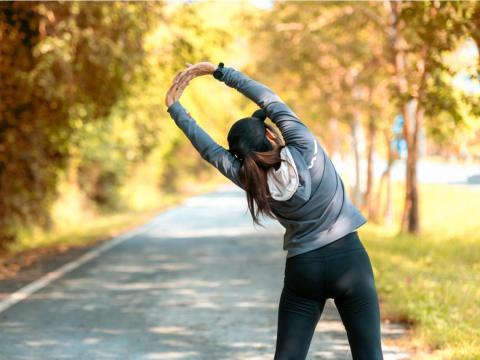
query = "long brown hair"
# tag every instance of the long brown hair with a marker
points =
(253, 175)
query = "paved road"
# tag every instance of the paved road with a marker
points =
(433, 172)
(199, 283)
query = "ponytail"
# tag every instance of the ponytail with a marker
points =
(253, 175)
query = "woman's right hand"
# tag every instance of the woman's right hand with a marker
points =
(176, 89)
(199, 69)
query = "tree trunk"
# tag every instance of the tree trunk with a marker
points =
(371, 148)
(410, 218)
(388, 218)
(389, 211)
(376, 210)
(356, 129)
(410, 184)
(414, 214)
(411, 215)
(476, 34)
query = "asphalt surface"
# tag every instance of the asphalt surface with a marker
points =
(199, 283)
(430, 172)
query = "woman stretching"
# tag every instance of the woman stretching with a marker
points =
(296, 183)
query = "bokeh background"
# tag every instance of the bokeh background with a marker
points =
(390, 89)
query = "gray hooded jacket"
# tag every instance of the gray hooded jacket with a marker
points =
(319, 211)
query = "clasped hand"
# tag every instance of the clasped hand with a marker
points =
(183, 78)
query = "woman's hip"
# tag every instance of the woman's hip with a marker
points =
(348, 242)
(327, 271)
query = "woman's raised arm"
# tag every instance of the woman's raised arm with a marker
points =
(208, 149)
(294, 131)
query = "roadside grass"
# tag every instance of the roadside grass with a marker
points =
(103, 227)
(77, 224)
(432, 280)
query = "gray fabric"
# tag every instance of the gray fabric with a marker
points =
(320, 211)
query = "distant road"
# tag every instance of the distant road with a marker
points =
(197, 282)
(433, 172)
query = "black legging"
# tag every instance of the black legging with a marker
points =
(342, 271)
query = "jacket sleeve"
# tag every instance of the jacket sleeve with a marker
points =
(294, 131)
(209, 150)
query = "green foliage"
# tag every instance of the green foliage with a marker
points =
(328, 61)
(84, 95)
(433, 31)
(332, 58)
(87, 86)
(62, 65)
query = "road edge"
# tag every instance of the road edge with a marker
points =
(24, 292)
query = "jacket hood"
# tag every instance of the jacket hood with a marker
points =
(283, 182)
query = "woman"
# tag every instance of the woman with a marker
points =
(296, 183)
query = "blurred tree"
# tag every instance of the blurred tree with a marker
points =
(476, 28)
(83, 86)
(61, 65)
(338, 60)
(190, 33)
(419, 34)
(90, 98)
(329, 59)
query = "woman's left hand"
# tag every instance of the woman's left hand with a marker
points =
(176, 89)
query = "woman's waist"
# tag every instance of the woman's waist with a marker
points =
(348, 242)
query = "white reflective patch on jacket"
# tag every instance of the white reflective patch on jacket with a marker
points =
(314, 158)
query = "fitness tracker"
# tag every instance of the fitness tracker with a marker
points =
(218, 74)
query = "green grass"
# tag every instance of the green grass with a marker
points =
(77, 223)
(433, 280)
(102, 227)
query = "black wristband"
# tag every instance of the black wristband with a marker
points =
(218, 73)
